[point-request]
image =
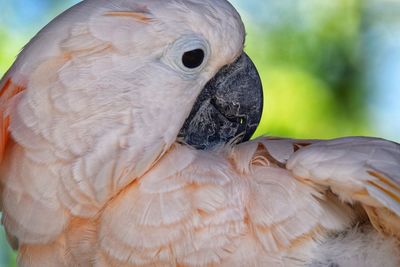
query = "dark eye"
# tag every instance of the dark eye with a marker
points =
(193, 59)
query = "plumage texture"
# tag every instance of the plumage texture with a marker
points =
(92, 173)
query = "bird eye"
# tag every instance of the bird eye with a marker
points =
(193, 59)
(189, 54)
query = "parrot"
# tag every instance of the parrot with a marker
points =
(125, 130)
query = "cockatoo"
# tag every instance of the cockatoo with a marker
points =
(120, 129)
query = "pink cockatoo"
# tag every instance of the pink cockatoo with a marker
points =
(120, 129)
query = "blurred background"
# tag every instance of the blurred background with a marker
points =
(329, 68)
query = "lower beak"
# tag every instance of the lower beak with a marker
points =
(229, 108)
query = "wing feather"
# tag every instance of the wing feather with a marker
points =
(357, 169)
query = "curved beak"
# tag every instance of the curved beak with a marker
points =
(228, 109)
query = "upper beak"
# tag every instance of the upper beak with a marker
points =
(228, 109)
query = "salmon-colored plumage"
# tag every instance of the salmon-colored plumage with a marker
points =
(8, 92)
(92, 172)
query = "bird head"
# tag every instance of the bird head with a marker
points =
(185, 61)
(132, 77)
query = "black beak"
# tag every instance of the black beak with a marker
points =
(228, 109)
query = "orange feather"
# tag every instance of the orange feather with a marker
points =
(7, 93)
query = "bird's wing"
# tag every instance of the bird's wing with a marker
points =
(356, 169)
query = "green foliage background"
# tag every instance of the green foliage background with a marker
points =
(313, 56)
